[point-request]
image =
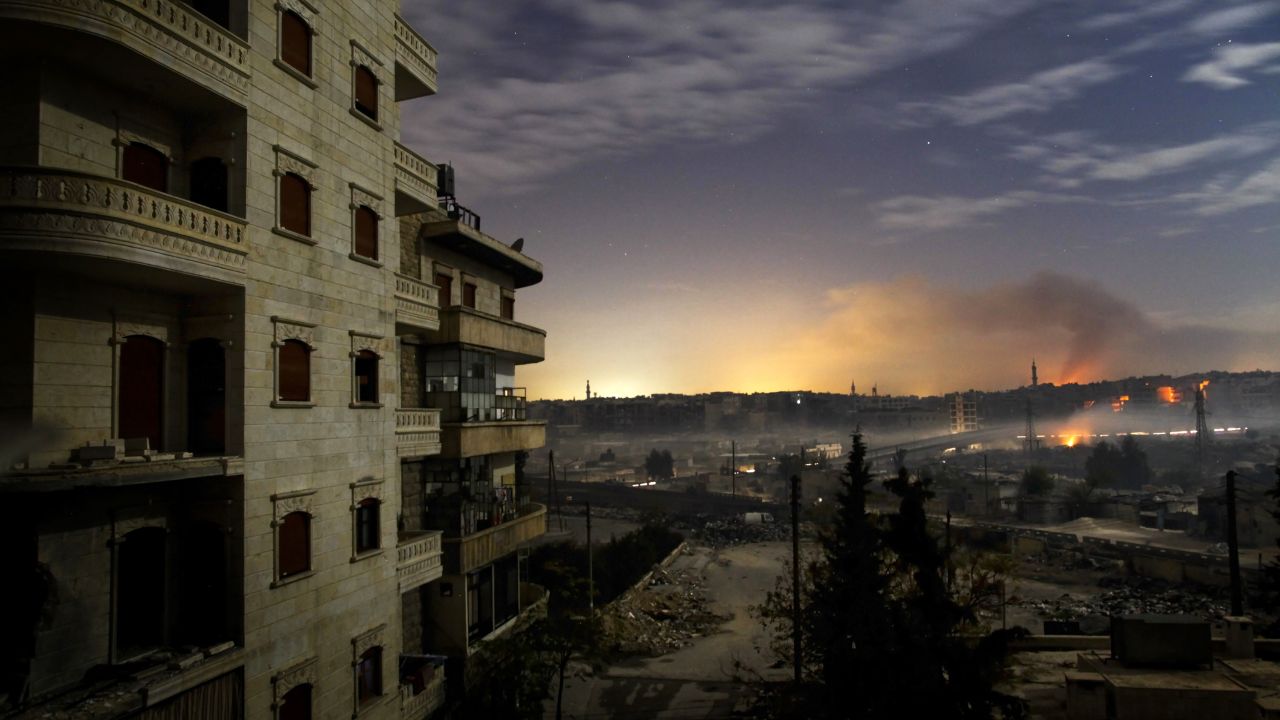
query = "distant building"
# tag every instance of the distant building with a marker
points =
(963, 408)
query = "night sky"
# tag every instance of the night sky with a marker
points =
(919, 195)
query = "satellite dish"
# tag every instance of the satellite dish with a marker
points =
(518, 245)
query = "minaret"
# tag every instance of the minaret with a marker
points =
(588, 389)
(853, 388)
(1035, 379)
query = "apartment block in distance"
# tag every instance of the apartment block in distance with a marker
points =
(206, 226)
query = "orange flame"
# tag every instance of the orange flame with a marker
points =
(1168, 395)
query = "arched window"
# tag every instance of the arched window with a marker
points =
(209, 183)
(206, 397)
(294, 539)
(296, 704)
(295, 204)
(366, 92)
(295, 42)
(366, 377)
(140, 591)
(146, 166)
(369, 675)
(368, 533)
(141, 402)
(294, 371)
(366, 222)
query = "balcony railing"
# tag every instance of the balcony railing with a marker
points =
(428, 700)
(464, 554)
(170, 32)
(415, 182)
(417, 432)
(417, 306)
(418, 560)
(415, 63)
(62, 210)
(463, 214)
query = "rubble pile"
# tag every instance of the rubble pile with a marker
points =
(1126, 596)
(727, 533)
(661, 618)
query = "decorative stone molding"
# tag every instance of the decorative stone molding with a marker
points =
(365, 198)
(286, 329)
(415, 178)
(203, 51)
(375, 344)
(360, 55)
(302, 673)
(126, 520)
(133, 324)
(57, 209)
(289, 162)
(364, 489)
(371, 639)
(284, 503)
(125, 138)
(416, 55)
(304, 10)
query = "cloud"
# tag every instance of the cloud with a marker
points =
(1037, 93)
(947, 212)
(1224, 70)
(632, 76)
(1231, 19)
(1221, 196)
(1143, 10)
(916, 335)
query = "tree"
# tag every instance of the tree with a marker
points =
(1036, 481)
(789, 465)
(660, 464)
(1101, 469)
(1134, 467)
(1124, 466)
(884, 636)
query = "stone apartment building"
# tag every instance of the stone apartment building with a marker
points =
(220, 497)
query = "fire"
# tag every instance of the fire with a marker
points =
(1118, 404)
(1204, 384)
(1168, 394)
(1072, 440)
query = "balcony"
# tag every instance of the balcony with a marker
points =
(417, 432)
(415, 63)
(415, 182)
(416, 306)
(51, 210)
(462, 555)
(469, 439)
(429, 684)
(418, 560)
(520, 342)
(170, 33)
(459, 232)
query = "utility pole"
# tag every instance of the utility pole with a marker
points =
(551, 474)
(1233, 547)
(1203, 436)
(733, 468)
(946, 558)
(795, 575)
(591, 567)
(986, 487)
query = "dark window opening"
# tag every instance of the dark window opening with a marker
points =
(294, 533)
(218, 11)
(142, 389)
(369, 675)
(295, 42)
(140, 591)
(366, 233)
(480, 603)
(206, 397)
(367, 530)
(445, 281)
(366, 377)
(508, 307)
(296, 704)
(469, 295)
(203, 601)
(209, 183)
(367, 92)
(295, 204)
(295, 371)
(146, 166)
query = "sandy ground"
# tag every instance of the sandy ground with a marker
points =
(704, 679)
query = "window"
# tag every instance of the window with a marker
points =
(295, 42)
(141, 406)
(296, 704)
(445, 281)
(294, 544)
(508, 307)
(140, 591)
(366, 377)
(366, 223)
(366, 92)
(369, 676)
(146, 166)
(209, 183)
(368, 533)
(294, 371)
(295, 204)
(469, 295)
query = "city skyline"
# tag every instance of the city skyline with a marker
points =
(752, 197)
